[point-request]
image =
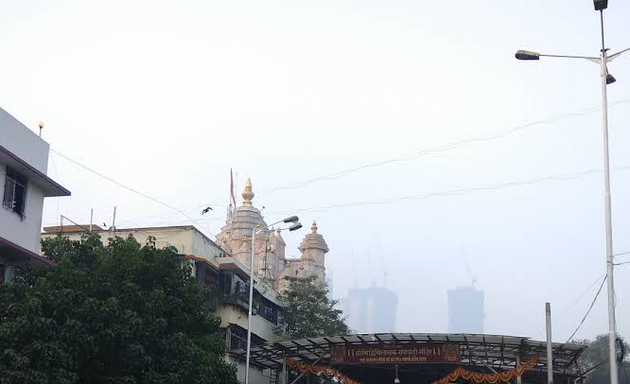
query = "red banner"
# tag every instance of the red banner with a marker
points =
(394, 354)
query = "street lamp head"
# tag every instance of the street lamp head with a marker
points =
(295, 227)
(291, 219)
(600, 5)
(610, 79)
(527, 55)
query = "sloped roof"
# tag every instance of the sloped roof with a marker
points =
(495, 351)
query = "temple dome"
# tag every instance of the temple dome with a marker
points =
(313, 241)
(244, 218)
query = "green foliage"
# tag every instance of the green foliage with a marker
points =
(308, 312)
(595, 358)
(115, 314)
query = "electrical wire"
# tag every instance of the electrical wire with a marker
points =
(162, 215)
(388, 161)
(588, 311)
(453, 192)
(439, 149)
(567, 308)
(126, 187)
(623, 254)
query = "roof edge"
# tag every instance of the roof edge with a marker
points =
(49, 185)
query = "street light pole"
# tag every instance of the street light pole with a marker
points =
(612, 326)
(605, 79)
(249, 315)
(255, 231)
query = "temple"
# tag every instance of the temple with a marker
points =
(270, 261)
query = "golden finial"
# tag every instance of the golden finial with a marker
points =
(314, 227)
(248, 195)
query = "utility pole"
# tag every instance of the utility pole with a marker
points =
(113, 228)
(549, 344)
(605, 79)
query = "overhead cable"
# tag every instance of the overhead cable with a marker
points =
(566, 309)
(453, 192)
(126, 187)
(588, 311)
(439, 149)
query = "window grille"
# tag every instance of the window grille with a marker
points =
(14, 192)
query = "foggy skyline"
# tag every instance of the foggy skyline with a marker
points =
(166, 97)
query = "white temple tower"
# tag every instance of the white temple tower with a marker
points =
(270, 262)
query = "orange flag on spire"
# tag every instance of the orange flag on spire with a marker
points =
(232, 196)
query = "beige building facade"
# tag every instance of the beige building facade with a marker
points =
(224, 265)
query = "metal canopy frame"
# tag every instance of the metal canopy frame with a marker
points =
(476, 350)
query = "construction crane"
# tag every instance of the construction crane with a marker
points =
(471, 274)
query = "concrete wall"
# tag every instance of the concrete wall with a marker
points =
(165, 237)
(22, 231)
(28, 146)
(256, 375)
(231, 314)
(23, 142)
(202, 247)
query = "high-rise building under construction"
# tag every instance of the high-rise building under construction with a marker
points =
(465, 310)
(371, 310)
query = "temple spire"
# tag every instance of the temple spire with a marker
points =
(314, 227)
(248, 195)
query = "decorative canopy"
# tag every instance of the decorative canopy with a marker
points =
(485, 353)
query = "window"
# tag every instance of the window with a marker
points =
(14, 192)
(236, 338)
(267, 310)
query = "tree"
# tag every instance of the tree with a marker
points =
(115, 314)
(595, 358)
(307, 311)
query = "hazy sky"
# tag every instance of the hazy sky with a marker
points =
(166, 96)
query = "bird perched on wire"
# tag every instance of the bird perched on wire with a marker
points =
(206, 210)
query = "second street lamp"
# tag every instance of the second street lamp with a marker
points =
(255, 231)
(605, 79)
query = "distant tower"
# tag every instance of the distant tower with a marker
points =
(329, 283)
(465, 310)
(371, 310)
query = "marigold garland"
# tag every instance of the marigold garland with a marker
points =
(476, 377)
(490, 378)
(320, 370)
